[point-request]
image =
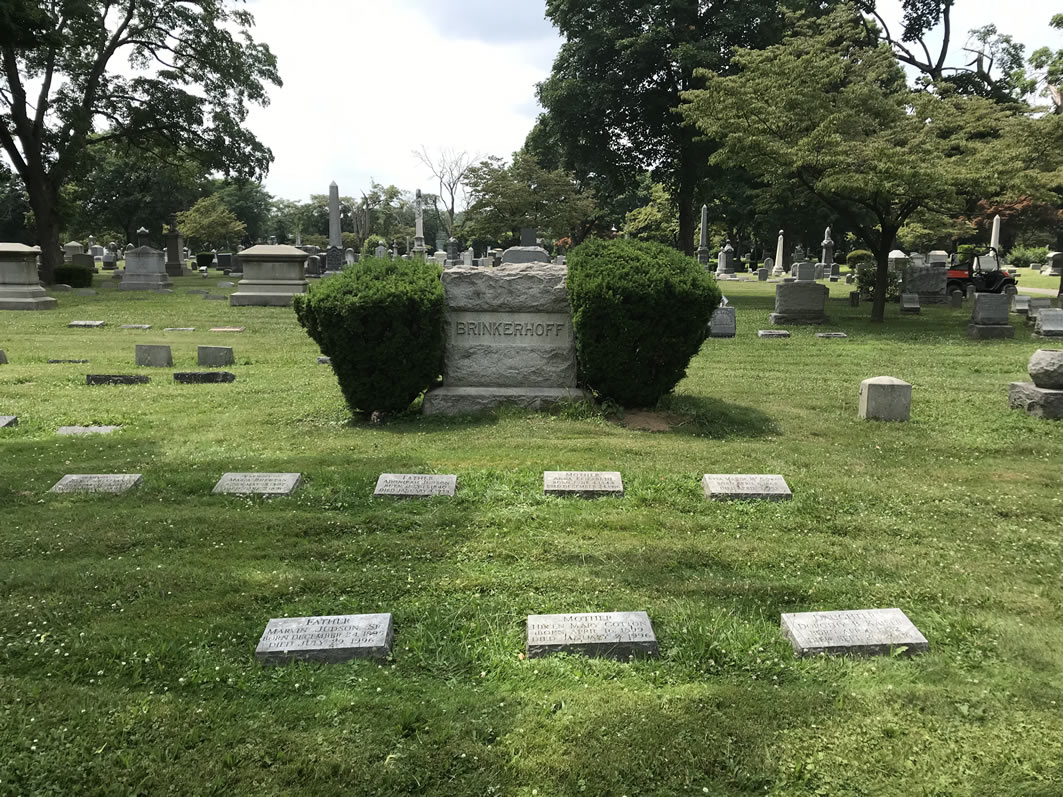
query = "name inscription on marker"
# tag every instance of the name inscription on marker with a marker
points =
(258, 483)
(582, 482)
(863, 631)
(414, 485)
(509, 329)
(619, 635)
(327, 638)
(97, 483)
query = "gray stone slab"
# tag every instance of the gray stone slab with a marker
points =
(258, 483)
(197, 292)
(583, 483)
(203, 377)
(990, 309)
(330, 638)
(773, 333)
(135, 326)
(613, 635)
(97, 483)
(465, 400)
(831, 335)
(3, 357)
(1036, 401)
(87, 324)
(69, 431)
(179, 329)
(8, 420)
(415, 485)
(1049, 323)
(67, 362)
(214, 356)
(990, 331)
(324, 361)
(85, 292)
(509, 349)
(724, 323)
(154, 356)
(745, 486)
(227, 329)
(867, 632)
(116, 379)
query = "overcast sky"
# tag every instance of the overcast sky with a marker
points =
(367, 82)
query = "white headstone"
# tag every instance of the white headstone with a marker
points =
(331, 638)
(614, 635)
(97, 483)
(868, 632)
(258, 483)
(415, 485)
(734, 486)
(587, 484)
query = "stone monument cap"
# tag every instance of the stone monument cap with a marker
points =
(273, 252)
(19, 249)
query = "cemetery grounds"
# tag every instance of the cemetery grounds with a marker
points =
(128, 623)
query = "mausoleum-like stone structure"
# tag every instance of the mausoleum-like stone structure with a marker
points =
(273, 274)
(509, 339)
(20, 287)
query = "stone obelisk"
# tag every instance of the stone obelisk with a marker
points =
(780, 256)
(994, 241)
(334, 258)
(703, 248)
(828, 249)
(418, 239)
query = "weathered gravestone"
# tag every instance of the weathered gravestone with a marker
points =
(87, 324)
(97, 483)
(145, 270)
(3, 357)
(203, 377)
(866, 632)
(773, 333)
(1020, 304)
(154, 356)
(76, 431)
(332, 638)
(116, 379)
(214, 356)
(613, 635)
(928, 283)
(585, 484)
(802, 302)
(956, 299)
(1049, 323)
(735, 486)
(415, 485)
(885, 398)
(989, 320)
(724, 323)
(8, 420)
(910, 303)
(272, 276)
(508, 339)
(1043, 397)
(258, 483)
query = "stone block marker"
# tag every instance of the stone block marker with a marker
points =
(745, 487)
(831, 335)
(415, 485)
(3, 357)
(74, 431)
(910, 303)
(214, 356)
(724, 323)
(258, 483)
(97, 483)
(87, 324)
(324, 361)
(802, 302)
(227, 329)
(179, 329)
(116, 379)
(203, 377)
(135, 326)
(773, 333)
(585, 484)
(152, 356)
(989, 321)
(865, 632)
(884, 398)
(956, 299)
(1043, 397)
(20, 287)
(8, 421)
(611, 635)
(1049, 323)
(330, 638)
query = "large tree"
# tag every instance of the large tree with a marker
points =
(835, 117)
(612, 95)
(76, 74)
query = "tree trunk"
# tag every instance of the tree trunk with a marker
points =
(887, 240)
(686, 215)
(45, 203)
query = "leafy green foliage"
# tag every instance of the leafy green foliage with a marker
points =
(210, 223)
(858, 256)
(658, 221)
(640, 311)
(74, 276)
(1026, 256)
(867, 281)
(381, 323)
(1048, 66)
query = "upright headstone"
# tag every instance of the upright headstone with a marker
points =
(910, 303)
(802, 302)
(529, 236)
(467, 257)
(885, 398)
(154, 356)
(214, 356)
(418, 225)
(349, 257)
(989, 321)
(508, 339)
(70, 249)
(725, 261)
(723, 323)
(145, 270)
(805, 271)
(780, 256)
(272, 276)
(1049, 323)
(334, 258)
(703, 247)
(20, 287)
(380, 251)
(175, 244)
(1054, 266)
(828, 251)
(938, 257)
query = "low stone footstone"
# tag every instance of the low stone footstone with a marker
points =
(749, 487)
(203, 377)
(73, 431)
(87, 324)
(116, 379)
(97, 483)
(1049, 323)
(773, 333)
(135, 326)
(179, 329)
(864, 632)
(216, 297)
(67, 362)
(585, 484)
(884, 398)
(324, 361)
(85, 292)
(854, 298)
(910, 303)
(1035, 306)
(989, 321)
(8, 420)
(611, 635)
(197, 292)
(3, 357)
(152, 356)
(956, 299)
(258, 483)
(723, 323)
(1020, 304)
(214, 356)
(227, 329)
(415, 485)
(224, 284)
(331, 638)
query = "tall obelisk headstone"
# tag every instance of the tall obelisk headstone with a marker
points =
(828, 252)
(418, 240)
(334, 260)
(780, 255)
(703, 248)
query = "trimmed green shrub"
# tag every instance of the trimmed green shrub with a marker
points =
(371, 243)
(74, 276)
(382, 325)
(204, 259)
(640, 311)
(865, 281)
(858, 256)
(1026, 256)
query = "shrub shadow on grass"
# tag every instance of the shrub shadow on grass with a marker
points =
(702, 416)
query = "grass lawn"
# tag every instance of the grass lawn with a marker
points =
(1033, 279)
(128, 623)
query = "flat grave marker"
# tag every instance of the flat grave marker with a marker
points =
(8, 420)
(135, 326)
(179, 329)
(331, 638)
(203, 377)
(773, 333)
(866, 632)
(831, 335)
(97, 483)
(584, 483)
(613, 635)
(227, 329)
(258, 483)
(67, 362)
(68, 431)
(745, 486)
(415, 485)
(87, 324)
(116, 379)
